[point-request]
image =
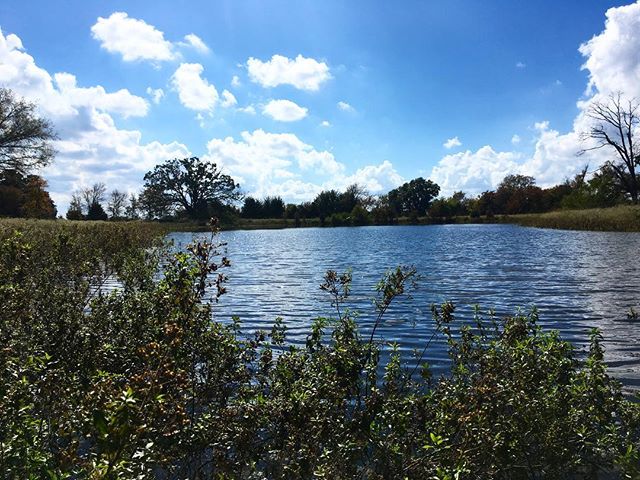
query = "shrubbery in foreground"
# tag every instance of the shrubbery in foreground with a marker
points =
(141, 383)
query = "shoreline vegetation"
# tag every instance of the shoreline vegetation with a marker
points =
(145, 381)
(621, 218)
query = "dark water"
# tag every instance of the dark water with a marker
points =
(577, 280)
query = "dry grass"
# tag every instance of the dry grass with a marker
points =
(623, 218)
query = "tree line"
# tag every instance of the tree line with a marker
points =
(194, 189)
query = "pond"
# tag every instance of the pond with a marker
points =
(577, 280)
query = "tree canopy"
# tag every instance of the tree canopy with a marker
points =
(270, 207)
(191, 185)
(25, 137)
(414, 196)
(24, 196)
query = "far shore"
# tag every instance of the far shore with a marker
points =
(622, 218)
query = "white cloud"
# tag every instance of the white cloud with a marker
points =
(521, 65)
(345, 107)
(473, 172)
(613, 56)
(325, 123)
(302, 73)
(235, 81)
(156, 94)
(228, 99)
(90, 147)
(376, 179)
(452, 142)
(556, 156)
(133, 39)
(193, 41)
(195, 92)
(269, 155)
(13, 42)
(515, 139)
(121, 102)
(284, 111)
(275, 164)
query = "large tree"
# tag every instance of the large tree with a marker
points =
(24, 196)
(25, 137)
(326, 203)
(414, 196)
(192, 185)
(518, 194)
(616, 123)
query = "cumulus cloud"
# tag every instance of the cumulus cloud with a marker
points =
(613, 56)
(194, 91)
(121, 102)
(515, 139)
(90, 145)
(302, 73)
(193, 41)
(521, 65)
(275, 164)
(136, 40)
(474, 172)
(284, 111)
(235, 81)
(452, 142)
(132, 38)
(376, 179)
(325, 123)
(263, 156)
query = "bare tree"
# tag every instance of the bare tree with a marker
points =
(94, 195)
(616, 126)
(117, 204)
(25, 137)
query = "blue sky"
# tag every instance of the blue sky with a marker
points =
(502, 78)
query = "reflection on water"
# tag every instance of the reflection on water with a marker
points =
(577, 280)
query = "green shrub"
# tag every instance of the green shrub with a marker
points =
(140, 382)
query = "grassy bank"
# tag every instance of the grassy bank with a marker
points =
(623, 218)
(146, 382)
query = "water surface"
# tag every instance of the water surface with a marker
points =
(577, 280)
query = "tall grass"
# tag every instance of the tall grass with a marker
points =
(623, 218)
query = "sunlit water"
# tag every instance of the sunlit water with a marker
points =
(577, 280)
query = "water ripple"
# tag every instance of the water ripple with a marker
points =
(577, 280)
